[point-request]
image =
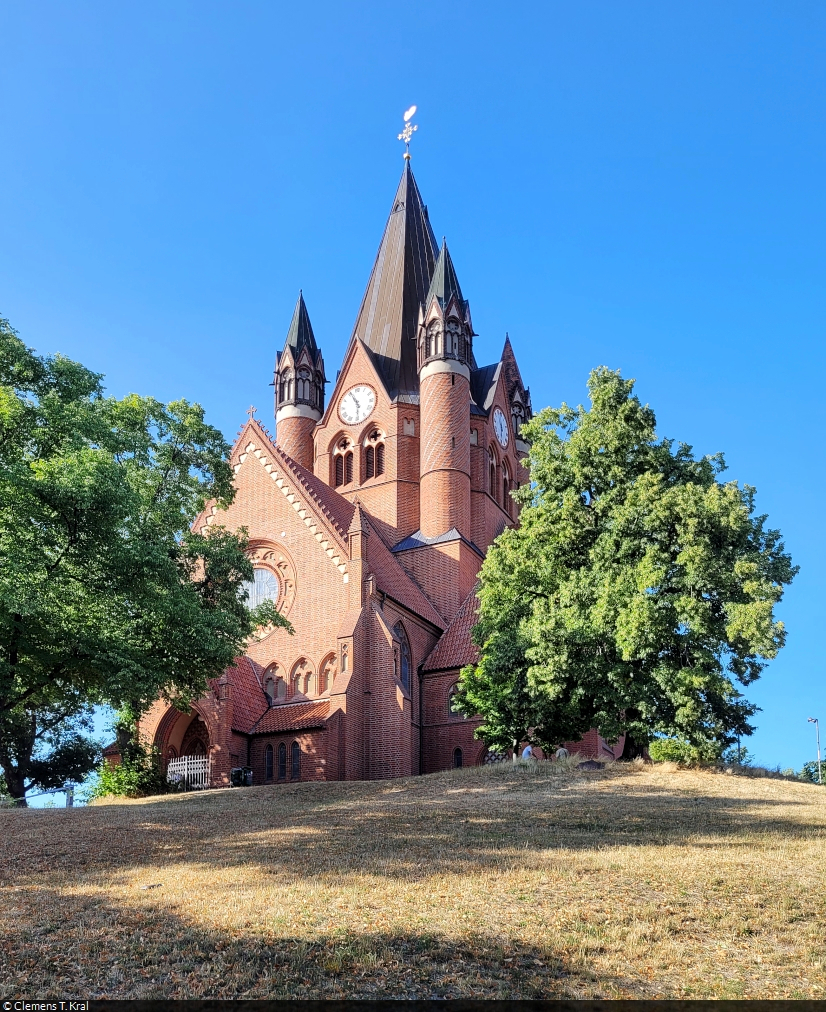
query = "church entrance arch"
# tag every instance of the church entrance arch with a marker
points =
(182, 734)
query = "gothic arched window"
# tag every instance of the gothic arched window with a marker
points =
(303, 678)
(374, 454)
(269, 689)
(432, 341)
(327, 673)
(452, 338)
(343, 462)
(452, 709)
(405, 657)
(492, 469)
(304, 386)
(517, 417)
(506, 487)
(282, 761)
(295, 761)
(268, 763)
(457, 758)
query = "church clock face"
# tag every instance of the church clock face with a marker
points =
(500, 427)
(357, 404)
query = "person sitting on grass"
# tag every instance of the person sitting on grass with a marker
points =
(561, 753)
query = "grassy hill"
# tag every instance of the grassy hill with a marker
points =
(497, 882)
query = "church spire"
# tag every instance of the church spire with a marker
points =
(388, 318)
(445, 284)
(300, 335)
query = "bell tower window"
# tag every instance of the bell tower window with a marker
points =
(432, 340)
(304, 386)
(517, 417)
(453, 339)
(343, 463)
(492, 469)
(374, 454)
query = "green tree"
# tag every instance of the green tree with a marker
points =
(106, 594)
(637, 592)
(812, 772)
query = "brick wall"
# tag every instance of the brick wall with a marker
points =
(295, 437)
(313, 756)
(445, 454)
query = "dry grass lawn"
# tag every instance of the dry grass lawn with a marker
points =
(633, 882)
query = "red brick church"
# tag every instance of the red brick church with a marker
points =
(369, 516)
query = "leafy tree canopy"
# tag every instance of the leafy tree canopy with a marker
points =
(637, 593)
(106, 594)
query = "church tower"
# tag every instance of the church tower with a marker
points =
(445, 356)
(299, 388)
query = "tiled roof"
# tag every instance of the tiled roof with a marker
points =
(248, 699)
(456, 648)
(389, 315)
(332, 506)
(394, 581)
(293, 717)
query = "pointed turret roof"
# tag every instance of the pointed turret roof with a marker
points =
(388, 318)
(444, 284)
(300, 334)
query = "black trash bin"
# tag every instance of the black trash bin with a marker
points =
(248, 776)
(236, 777)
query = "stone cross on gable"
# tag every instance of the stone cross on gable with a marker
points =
(251, 411)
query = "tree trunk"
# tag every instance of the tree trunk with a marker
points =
(632, 749)
(15, 785)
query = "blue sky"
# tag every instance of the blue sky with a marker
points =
(633, 184)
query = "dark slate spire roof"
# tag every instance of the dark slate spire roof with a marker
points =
(300, 334)
(389, 314)
(445, 284)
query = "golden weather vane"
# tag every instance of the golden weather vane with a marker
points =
(409, 129)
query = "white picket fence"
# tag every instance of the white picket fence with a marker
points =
(190, 772)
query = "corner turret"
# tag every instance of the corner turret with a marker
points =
(445, 338)
(299, 388)
(445, 357)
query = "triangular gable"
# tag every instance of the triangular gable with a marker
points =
(324, 512)
(356, 352)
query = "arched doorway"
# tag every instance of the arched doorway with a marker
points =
(184, 742)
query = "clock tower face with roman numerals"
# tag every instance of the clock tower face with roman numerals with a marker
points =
(357, 404)
(500, 427)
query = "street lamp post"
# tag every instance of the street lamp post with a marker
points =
(814, 720)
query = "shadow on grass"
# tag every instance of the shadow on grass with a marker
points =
(464, 822)
(78, 947)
